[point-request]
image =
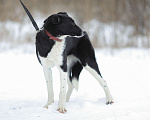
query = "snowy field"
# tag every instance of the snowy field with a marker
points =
(23, 91)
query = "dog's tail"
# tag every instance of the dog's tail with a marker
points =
(76, 70)
(30, 16)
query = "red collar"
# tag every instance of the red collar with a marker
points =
(52, 37)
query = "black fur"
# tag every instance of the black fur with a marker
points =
(43, 43)
(82, 49)
(61, 24)
(75, 70)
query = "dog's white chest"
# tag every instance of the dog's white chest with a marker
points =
(55, 56)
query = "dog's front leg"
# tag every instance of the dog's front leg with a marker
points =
(49, 82)
(62, 94)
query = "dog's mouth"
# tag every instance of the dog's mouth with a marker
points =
(73, 35)
(78, 36)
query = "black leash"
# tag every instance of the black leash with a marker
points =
(30, 16)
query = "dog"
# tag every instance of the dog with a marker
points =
(63, 44)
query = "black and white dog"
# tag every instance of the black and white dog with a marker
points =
(63, 44)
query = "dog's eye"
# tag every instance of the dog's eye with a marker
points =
(55, 20)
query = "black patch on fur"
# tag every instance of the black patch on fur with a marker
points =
(82, 48)
(76, 70)
(43, 44)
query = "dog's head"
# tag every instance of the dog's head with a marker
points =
(61, 24)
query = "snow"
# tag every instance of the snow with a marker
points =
(23, 91)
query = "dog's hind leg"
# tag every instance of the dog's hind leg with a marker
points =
(49, 82)
(92, 67)
(70, 86)
(70, 89)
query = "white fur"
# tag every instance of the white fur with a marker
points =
(54, 57)
(83, 33)
(75, 83)
(70, 89)
(71, 59)
(49, 82)
(102, 83)
(62, 94)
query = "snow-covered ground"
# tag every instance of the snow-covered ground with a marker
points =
(23, 91)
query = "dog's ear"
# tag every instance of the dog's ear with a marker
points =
(55, 20)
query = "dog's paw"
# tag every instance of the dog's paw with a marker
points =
(110, 101)
(62, 110)
(48, 103)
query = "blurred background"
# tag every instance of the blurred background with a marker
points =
(109, 23)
